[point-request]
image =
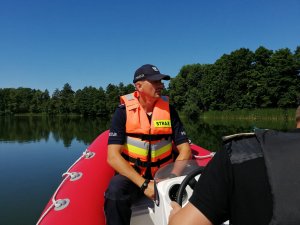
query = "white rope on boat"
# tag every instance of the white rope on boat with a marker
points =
(45, 213)
(54, 201)
(205, 156)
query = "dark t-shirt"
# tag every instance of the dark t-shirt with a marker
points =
(238, 191)
(117, 131)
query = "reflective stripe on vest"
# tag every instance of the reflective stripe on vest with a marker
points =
(136, 148)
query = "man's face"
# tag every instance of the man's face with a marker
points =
(150, 88)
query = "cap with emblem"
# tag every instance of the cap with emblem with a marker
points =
(149, 72)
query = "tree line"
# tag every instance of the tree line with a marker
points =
(89, 101)
(242, 79)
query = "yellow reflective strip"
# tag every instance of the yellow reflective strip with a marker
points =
(161, 151)
(136, 150)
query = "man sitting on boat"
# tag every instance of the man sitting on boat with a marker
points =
(140, 141)
(253, 180)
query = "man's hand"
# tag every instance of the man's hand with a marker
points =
(149, 191)
(175, 208)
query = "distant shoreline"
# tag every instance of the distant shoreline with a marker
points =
(252, 114)
(239, 114)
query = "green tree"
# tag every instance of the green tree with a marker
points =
(112, 97)
(177, 91)
(67, 99)
(241, 79)
(55, 102)
(90, 101)
(285, 82)
(3, 101)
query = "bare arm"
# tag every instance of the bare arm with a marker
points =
(184, 154)
(184, 151)
(188, 215)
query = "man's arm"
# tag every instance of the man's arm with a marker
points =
(181, 141)
(179, 136)
(115, 147)
(189, 214)
(184, 151)
(116, 161)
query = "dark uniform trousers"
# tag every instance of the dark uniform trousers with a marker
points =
(119, 196)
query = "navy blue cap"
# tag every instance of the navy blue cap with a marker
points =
(149, 72)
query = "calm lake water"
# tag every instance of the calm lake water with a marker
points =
(36, 151)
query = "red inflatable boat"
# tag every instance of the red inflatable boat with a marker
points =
(79, 199)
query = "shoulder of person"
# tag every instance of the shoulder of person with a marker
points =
(172, 108)
(242, 147)
(173, 112)
(120, 110)
(121, 106)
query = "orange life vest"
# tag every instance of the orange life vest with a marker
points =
(147, 144)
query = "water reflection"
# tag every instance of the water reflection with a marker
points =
(24, 129)
(206, 133)
(209, 133)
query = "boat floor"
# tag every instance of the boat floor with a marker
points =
(141, 211)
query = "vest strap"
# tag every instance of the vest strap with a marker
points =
(149, 137)
(138, 162)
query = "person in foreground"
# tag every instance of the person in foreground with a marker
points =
(140, 141)
(253, 180)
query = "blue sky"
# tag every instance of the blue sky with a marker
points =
(47, 43)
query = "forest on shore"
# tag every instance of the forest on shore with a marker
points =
(242, 79)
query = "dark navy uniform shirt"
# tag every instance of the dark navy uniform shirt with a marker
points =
(118, 127)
